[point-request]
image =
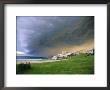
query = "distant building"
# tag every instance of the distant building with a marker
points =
(54, 57)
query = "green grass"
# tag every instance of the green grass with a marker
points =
(80, 64)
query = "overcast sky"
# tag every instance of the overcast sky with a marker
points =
(37, 35)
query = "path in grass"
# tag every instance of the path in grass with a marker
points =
(81, 64)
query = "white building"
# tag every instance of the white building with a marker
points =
(54, 57)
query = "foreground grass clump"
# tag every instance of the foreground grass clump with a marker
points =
(20, 68)
(80, 64)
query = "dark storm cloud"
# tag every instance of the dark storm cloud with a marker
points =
(35, 35)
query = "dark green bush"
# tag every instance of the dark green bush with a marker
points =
(20, 68)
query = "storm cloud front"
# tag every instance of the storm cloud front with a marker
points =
(45, 36)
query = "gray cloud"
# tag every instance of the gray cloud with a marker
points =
(36, 35)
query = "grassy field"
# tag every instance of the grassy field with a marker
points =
(80, 64)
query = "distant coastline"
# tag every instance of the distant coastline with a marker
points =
(29, 57)
(35, 61)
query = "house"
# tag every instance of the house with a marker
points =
(54, 57)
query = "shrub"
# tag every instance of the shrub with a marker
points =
(23, 67)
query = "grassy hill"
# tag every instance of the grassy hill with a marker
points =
(80, 64)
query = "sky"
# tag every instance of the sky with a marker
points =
(45, 36)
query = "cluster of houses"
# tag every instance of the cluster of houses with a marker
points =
(65, 54)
